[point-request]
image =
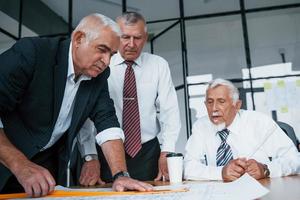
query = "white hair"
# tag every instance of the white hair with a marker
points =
(234, 93)
(130, 18)
(91, 23)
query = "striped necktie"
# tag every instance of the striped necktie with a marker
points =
(224, 153)
(131, 116)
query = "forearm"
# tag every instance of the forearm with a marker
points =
(10, 156)
(114, 153)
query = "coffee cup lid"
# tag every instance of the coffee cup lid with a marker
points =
(174, 154)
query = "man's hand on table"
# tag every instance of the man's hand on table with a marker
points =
(36, 180)
(90, 173)
(126, 183)
(163, 173)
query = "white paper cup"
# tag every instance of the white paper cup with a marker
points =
(175, 165)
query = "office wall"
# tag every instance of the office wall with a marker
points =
(215, 46)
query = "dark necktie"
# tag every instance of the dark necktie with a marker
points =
(131, 116)
(224, 153)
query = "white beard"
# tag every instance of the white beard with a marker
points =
(219, 127)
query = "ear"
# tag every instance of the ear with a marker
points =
(238, 105)
(78, 38)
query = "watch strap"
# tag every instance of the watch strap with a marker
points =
(90, 157)
(266, 171)
(121, 174)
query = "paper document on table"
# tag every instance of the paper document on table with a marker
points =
(246, 187)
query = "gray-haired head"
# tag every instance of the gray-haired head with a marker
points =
(234, 93)
(130, 18)
(90, 25)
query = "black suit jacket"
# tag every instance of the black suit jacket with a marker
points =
(32, 80)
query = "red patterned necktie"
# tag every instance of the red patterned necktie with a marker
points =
(131, 116)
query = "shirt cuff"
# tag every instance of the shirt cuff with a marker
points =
(215, 173)
(86, 139)
(88, 148)
(203, 173)
(276, 170)
(110, 134)
(1, 125)
(168, 147)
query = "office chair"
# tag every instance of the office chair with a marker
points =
(289, 132)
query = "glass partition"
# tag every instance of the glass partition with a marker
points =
(168, 46)
(274, 37)
(5, 42)
(267, 3)
(51, 17)
(9, 15)
(192, 7)
(216, 46)
(155, 9)
(109, 8)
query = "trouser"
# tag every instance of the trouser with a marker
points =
(47, 159)
(144, 166)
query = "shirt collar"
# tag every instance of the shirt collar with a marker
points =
(70, 63)
(71, 72)
(234, 127)
(118, 60)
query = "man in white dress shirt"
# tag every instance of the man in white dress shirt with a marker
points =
(157, 100)
(255, 144)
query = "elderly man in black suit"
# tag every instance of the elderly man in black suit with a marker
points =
(48, 88)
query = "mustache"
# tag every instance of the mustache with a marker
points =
(131, 49)
(214, 114)
(100, 64)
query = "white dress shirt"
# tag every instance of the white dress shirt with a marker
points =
(65, 114)
(158, 105)
(252, 135)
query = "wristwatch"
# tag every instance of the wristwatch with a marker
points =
(90, 157)
(266, 171)
(121, 174)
